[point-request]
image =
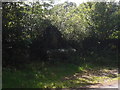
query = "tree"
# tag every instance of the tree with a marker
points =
(13, 43)
(21, 25)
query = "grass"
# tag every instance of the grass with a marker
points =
(36, 76)
(57, 75)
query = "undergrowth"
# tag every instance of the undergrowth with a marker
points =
(57, 75)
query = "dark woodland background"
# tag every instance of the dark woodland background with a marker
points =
(63, 33)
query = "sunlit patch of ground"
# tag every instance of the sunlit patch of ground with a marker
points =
(93, 78)
(59, 75)
(109, 84)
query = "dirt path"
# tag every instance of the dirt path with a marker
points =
(115, 85)
(101, 78)
(112, 84)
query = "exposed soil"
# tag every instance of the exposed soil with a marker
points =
(110, 82)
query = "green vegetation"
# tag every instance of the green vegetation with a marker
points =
(58, 75)
(64, 45)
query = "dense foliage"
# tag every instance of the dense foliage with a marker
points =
(31, 30)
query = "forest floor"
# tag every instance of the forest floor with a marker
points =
(103, 78)
(59, 75)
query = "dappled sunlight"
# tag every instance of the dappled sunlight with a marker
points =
(63, 76)
(59, 46)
